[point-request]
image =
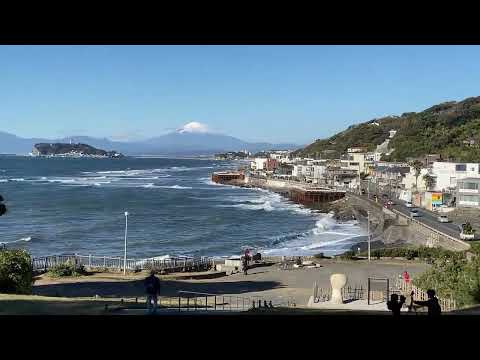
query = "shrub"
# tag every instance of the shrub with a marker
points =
(454, 277)
(468, 229)
(16, 272)
(67, 269)
(348, 255)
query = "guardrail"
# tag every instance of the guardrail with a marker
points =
(117, 263)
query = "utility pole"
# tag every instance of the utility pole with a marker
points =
(125, 253)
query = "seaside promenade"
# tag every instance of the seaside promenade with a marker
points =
(268, 282)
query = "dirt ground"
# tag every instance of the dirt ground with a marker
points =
(268, 282)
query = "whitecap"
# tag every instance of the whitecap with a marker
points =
(24, 239)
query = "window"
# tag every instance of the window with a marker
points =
(461, 167)
(470, 198)
(468, 185)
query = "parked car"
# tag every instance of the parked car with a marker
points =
(414, 213)
(443, 219)
(409, 204)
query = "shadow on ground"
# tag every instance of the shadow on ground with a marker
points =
(135, 288)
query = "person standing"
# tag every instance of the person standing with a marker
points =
(432, 304)
(247, 255)
(394, 305)
(152, 288)
(245, 265)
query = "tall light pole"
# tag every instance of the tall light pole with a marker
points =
(125, 253)
(368, 233)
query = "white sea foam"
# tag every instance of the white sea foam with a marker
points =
(327, 235)
(153, 186)
(175, 187)
(24, 239)
(267, 201)
(63, 181)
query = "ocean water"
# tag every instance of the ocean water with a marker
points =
(60, 206)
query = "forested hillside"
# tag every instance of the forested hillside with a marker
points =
(451, 129)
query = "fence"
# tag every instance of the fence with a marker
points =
(197, 301)
(117, 263)
(349, 293)
(418, 294)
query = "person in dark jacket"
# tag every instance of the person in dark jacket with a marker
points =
(394, 305)
(152, 288)
(432, 304)
(245, 265)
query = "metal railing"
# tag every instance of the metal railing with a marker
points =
(198, 301)
(117, 263)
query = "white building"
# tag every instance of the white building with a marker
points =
(447, 173)
(468, 192)
(311, 173)
(258, 164)
(409, 180)
(360, 162)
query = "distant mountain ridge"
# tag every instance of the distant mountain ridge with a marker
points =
(181, 143)
(450, 129)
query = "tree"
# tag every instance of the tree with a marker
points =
(430, 181)
(16, 273)
(3, 208)
(417, 167)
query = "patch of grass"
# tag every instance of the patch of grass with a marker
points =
(67, 269)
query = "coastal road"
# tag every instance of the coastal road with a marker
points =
(429, 218)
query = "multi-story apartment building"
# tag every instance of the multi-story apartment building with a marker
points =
(468, 192)
(447, 174)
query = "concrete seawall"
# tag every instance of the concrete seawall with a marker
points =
(392, 227)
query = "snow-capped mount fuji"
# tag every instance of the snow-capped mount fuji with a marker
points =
(195, 137)
(191, 139)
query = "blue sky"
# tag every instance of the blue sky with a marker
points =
(257, 93)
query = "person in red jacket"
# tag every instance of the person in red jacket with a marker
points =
(406, 277)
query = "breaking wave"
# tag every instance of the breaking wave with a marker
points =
(24, 239)
(268, 201)
(327, 235)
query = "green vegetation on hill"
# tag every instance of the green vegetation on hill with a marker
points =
(60, 149)
(454, 277)
(441, 129)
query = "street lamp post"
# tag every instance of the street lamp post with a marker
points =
(368, 233)
(125, 253)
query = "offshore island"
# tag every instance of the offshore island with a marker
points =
(72, 150)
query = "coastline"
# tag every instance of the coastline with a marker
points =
(339, 210)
